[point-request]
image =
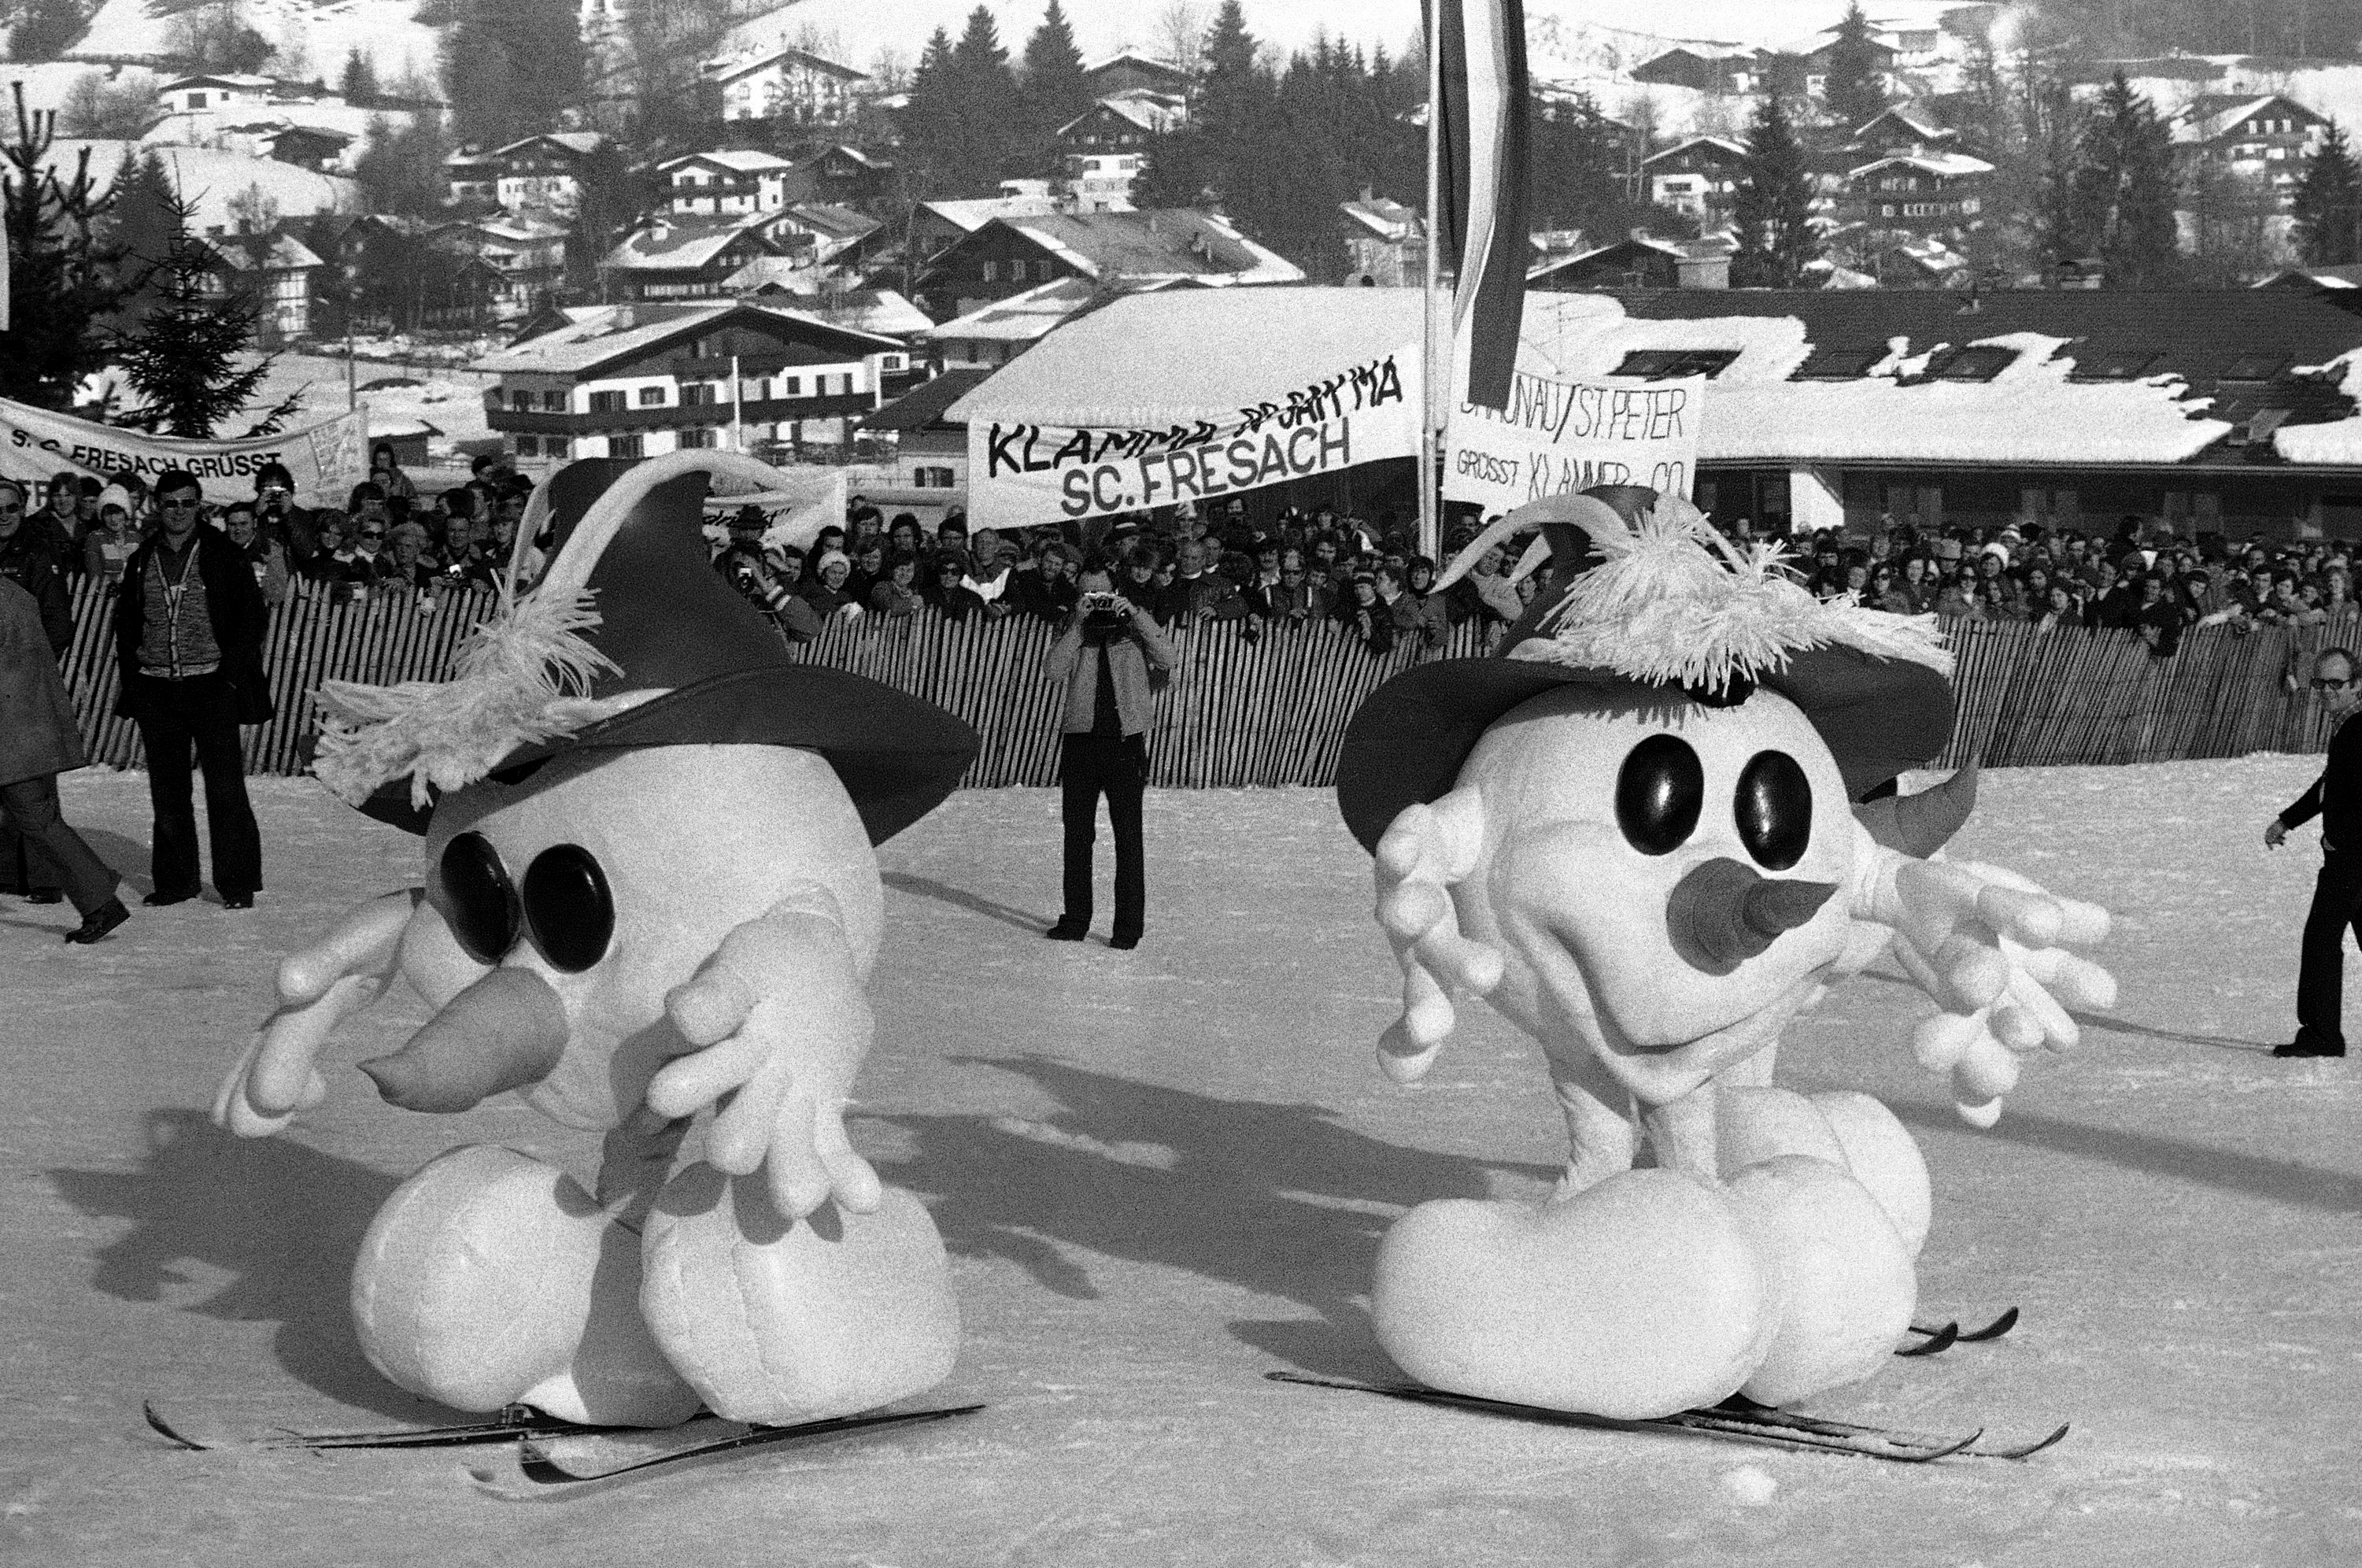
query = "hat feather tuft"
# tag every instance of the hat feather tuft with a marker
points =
(1673, 602)
(522, 677)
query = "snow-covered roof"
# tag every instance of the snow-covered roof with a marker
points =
(225, 79)
(2214, 118)
(880, 311)
(973, 213)
(1155, 359)
(624, 332)
(1720, 143)
(580, 143)
(1167, 242)
(2338, 441)
(1382, 215)
(1133, 57)
(731, 71)
(1919, 125)
(675, 244)
(737, 159)
(1129, 113)
(1019, 319)
(1950, 165)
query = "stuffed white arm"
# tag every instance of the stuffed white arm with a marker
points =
(778, 1024)
(319, 987)
(1426, 852)
(1991, 947)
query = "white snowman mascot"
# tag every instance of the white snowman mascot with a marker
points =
(1637, 834)
(649, 892)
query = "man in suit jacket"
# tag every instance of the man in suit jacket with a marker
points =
(189, 622)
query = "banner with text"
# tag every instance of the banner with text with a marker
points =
(1558, 436)
(326, 459)
(1020, 475)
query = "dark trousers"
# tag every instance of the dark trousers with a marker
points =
(31, 806)
(1116, 766)
(24, 865)
(2321, 969)
(198, 715)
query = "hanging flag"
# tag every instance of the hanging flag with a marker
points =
(1481, 203)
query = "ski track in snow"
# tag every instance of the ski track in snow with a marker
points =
(1164, 1173)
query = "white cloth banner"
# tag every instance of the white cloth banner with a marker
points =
(1020, 475)
(326, 459)
(1558, 436)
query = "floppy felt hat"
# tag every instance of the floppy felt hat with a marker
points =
(1645, 597)
(630, 639)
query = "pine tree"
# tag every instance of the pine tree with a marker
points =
(1853, 91)
(63, 277)
(2124, 190)
(1053, 91)
(358, 85)
(929, 123)
(401, 166)
(46, 29)
(143, 222)
(511, 68)
(1773, 204)
(2328, 206)
(1233, 93)
(986, 94)
(182, 359)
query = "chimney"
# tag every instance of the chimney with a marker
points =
(1704, 271)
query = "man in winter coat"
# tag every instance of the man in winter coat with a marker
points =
(1104, 656)
(38, 740)
(189, 622)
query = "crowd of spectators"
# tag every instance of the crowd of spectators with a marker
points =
(1294, 569)
(2135, 579)
(388, 538)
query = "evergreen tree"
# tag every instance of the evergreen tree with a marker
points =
(401, 166)
(611, 199)
(2328, 206)
(2123, 190)
(46, 29)
(182, 359)
(1853, 91)
(930, 124)
(143, 222)
(358, 85)
(1773, 204)
(986, 94)
(1232, 93)
(1576, 176)
(1053, 91)
(511, 68)
(62, 275)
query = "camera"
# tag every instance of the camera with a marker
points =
(1096, 603)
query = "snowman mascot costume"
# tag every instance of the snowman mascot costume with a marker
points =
(650, 892)
(1651, 832)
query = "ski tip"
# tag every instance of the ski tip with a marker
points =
(1994, 1329)
(1946, 1452)
(164, 1429)
(1938, 1342)
(2029, 1450)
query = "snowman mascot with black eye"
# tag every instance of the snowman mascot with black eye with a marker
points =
(1636, 834)
(650, 893)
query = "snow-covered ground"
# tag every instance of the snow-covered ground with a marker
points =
(1165, 1172)
(414, 387)
(311, 38)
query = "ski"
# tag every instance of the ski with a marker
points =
(515, 1421)
(1737, 1417)
(1939, 1341)
(1991, 1330)
(558, 1463)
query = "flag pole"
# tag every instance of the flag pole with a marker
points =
(1430, 521)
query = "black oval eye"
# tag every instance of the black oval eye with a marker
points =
(478, 898)
(567, 901)
(1774, 810)
(1659, 794)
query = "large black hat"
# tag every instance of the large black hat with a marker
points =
(1645, 597)
(631, 639)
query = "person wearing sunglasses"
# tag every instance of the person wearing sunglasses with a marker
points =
(189, 622)
(2336, 799)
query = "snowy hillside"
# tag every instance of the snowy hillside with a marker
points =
(313, 40)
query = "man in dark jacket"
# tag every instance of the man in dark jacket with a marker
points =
(2336, 799)
(38, 740)
(27, 561)
(189, 622)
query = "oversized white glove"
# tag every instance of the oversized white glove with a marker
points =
(1426, 851)
(1991, 947)
(778, 1024)
(319, 987)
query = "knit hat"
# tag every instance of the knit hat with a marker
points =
(114, 495)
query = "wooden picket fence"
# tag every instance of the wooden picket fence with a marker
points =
(1271, 709)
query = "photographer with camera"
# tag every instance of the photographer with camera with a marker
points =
(1108, 655)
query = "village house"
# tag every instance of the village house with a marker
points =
(539, 171)
(1699, 176)
(640, 380)
(1104, 150)
(527, 254)
(930, 448)
(1009, 255)
(1386, 241)
(2265, 138)
(1640, 261)
(271, 271)
(1919, 193)
(999, 330)
(841, 174)
(1703, 67)
(784, 83)
(1128, 71)
(731, 182)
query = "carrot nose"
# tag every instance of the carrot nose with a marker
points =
(502, 1032)
(1724, 913)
